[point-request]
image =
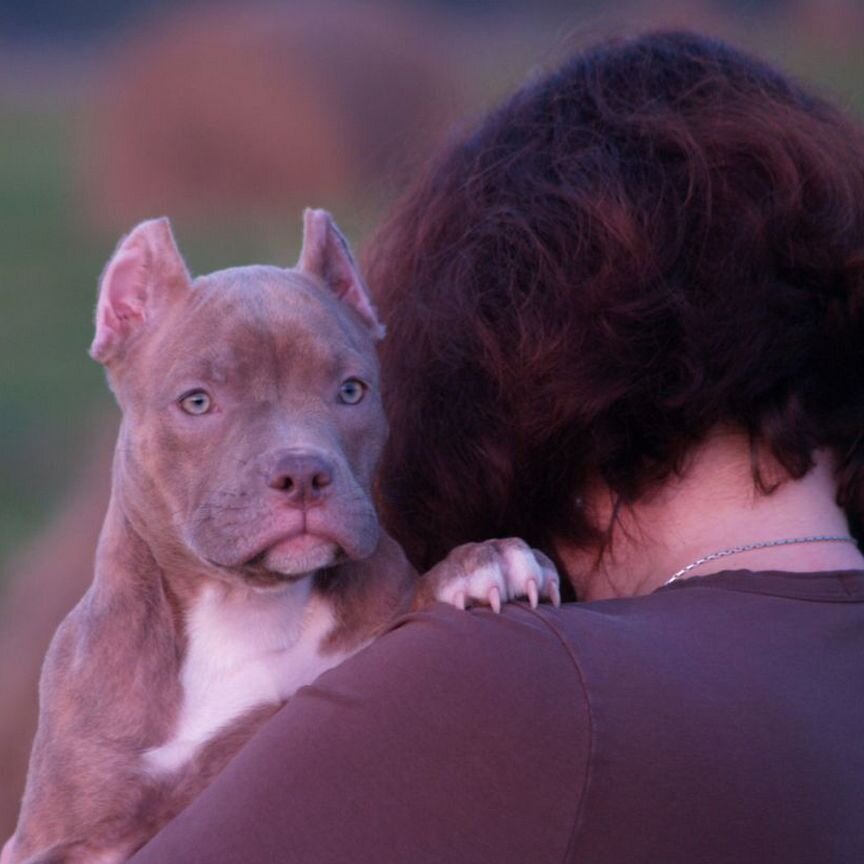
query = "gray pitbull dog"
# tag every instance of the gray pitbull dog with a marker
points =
(241, 554)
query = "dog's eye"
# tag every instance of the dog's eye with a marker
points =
(352, 391)
(196, 402)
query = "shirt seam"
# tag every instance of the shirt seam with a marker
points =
(589, 762)
(846, 592)
(808, 596)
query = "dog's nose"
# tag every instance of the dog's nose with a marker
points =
(302, 478)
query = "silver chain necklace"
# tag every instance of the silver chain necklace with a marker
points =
(749, 547)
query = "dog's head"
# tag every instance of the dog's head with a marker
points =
(252, 417)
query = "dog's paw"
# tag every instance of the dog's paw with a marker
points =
(491, 573)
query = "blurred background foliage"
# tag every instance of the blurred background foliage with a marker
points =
(230, 118)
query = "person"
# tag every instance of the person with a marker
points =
(626, 322)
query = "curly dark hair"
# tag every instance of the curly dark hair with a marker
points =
(663, 237)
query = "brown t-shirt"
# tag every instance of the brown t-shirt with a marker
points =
(720, 719)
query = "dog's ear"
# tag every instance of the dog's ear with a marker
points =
(145, 272)
(327, 255)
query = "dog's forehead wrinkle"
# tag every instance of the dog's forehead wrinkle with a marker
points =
(243, 277)
(258, 282)
(275, 297)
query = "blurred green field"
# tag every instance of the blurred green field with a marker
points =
(47, 271)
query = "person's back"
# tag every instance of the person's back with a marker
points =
(726, 716)
(626, 320)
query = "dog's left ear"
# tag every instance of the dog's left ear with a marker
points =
(327, 256)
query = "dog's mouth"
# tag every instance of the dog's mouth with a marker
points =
(296, 554)
(286, 558)
(279, 546)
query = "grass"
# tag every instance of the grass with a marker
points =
(47, 386)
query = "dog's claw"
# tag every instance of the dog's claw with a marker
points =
(493, 573)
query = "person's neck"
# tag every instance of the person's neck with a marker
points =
(715, 506)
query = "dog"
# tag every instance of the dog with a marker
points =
(241, 554)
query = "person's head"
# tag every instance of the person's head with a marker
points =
(661, 238)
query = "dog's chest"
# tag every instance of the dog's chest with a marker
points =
(244, 650)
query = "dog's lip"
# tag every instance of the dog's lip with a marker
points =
(295, 541)
(255, 568)
(299, 539)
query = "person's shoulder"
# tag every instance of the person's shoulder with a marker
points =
(516, 629)
(507, 683)
(468, 653)
(522, 648)
(472, 710)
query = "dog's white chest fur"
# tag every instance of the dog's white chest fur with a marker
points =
(245, 649)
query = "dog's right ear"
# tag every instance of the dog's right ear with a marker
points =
(145, 273)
